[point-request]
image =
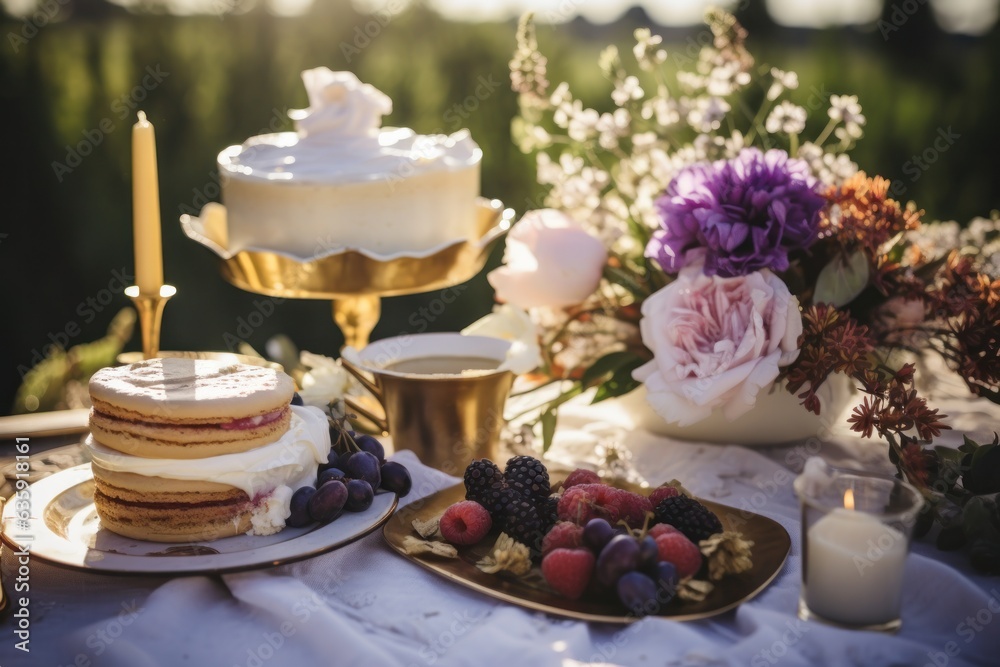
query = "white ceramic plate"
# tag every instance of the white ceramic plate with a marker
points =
(64, 529)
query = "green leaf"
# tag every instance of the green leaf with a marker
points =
(980, 452)
(620, 383)
(977, 519)
(626, 280)
(946, 453)
(841, 281)
(548, 420)
(606, 365)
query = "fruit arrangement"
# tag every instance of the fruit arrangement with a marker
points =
(589, 539)
(355, 470)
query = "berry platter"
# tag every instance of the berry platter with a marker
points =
(771, 547)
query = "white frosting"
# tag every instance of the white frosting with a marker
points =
(338, 140)
(291, 461)
(394, 152)
(268, 517)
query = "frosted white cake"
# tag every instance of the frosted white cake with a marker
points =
(342, 181)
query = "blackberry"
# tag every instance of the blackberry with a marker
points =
(528, 476)
(485, 484)
(525, 524)
(687, 515)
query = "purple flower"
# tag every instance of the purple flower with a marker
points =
(741, 215)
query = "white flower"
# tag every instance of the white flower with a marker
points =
(850, 132)
(515, 325)
(830, 168)
(662, 109)
(782, 81)
(611, 126)
(691, 81)
(582, 123)
(723, 80)
(325, 382)
(645, 50)
(561, 95)
(845, 108)
(838, 167)
(787, 118)
(707, 114)
(627, 90)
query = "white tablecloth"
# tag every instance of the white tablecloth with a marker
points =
(364, 605)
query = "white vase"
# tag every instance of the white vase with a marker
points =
(777, 417)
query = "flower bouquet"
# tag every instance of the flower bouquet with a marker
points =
(714, 254)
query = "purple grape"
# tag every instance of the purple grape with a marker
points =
(597, 533)
(331, 474)
(371, 445)
(666, 579)
(638, 593)
(649, 554)
(300, 507)
(396, 478)
(297, 399)
(621, 555)
(364, 465)
(328, 501)
(331, 462)
(342, 460)
(359, 495)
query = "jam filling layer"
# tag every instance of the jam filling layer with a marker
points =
(174, 505)
(242, 424)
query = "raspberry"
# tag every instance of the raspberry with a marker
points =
(689, 516)
(581, 476)
(662, 529)
(564, 535)
(661, 493)
(631, 507)
(528, 476)
(465, 522)
(584, 502)
(682, 552)
(568, 571)
(525, 524)
(485, 484)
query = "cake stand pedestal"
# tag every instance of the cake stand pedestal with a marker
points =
(356, 280)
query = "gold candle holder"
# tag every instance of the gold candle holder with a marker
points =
(150, 308)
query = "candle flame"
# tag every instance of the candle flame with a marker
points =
(849, 499)
(142, 116)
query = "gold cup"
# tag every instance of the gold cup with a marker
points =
(447, 418)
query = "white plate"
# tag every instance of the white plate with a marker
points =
(64, 529)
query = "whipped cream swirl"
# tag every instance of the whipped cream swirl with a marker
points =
(340, 105)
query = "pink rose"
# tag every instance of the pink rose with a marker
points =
(550, 260)
(716, 342)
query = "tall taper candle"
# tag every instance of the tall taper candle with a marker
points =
(146, 209)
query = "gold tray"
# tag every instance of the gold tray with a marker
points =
(771, 547)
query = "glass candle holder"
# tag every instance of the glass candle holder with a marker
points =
(856, 529)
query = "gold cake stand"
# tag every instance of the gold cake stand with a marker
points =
(355, 280)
